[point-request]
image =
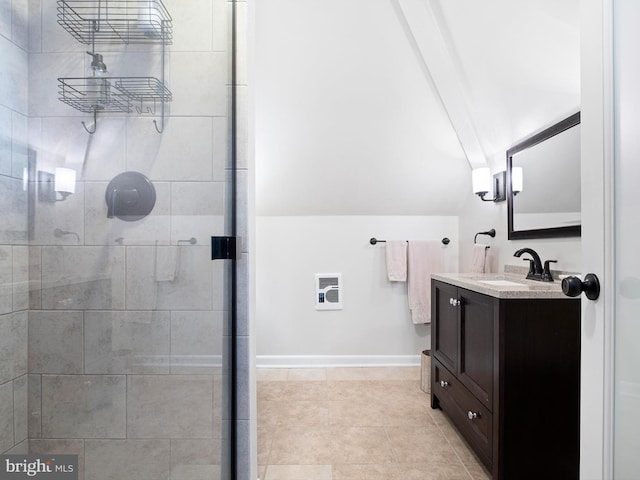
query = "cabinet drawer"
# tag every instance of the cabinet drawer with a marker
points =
(460, 405)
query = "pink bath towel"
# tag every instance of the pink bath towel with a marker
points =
(424, 258)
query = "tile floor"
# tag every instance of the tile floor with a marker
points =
(356, 424)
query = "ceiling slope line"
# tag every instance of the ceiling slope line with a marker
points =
(422, 29)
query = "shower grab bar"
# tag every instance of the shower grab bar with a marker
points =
(374, 240)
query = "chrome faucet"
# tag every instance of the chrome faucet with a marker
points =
(536, 270)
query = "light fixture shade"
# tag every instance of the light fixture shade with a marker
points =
(516, 179)
(65, 180)
(481, 179)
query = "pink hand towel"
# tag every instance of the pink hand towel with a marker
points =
(396, 256)
(479, 261)
(424, 258)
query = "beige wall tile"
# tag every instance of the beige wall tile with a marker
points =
(13, 346)
(6, 416)
(69, 447)
(196, 341)
(55, 342)
(34, 403)
(127, 459)
(89, 278)
(83, 406)
(192, 288)
(20, 278)
(6, 279)
(127, 342)
(20, 405)
(169, 406)
(182, 152)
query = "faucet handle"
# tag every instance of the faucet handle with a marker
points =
(546, 272)
(532, 268)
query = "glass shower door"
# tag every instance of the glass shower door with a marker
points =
(116, 332)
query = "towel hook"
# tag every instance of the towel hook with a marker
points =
(491, 233)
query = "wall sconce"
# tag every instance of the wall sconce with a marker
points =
(516, 180)
(63, 182)
(481, 179)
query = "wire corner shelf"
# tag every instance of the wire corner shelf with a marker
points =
(116, 21)
(113, 94)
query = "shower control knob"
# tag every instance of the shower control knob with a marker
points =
(573, 286)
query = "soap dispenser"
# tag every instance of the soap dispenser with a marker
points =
(98, 88)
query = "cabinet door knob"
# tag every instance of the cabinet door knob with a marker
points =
(454, 301)
(472, 415)
(444, 384)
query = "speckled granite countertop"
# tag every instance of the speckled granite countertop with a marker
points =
(503, 285)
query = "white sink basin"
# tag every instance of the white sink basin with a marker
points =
(502, 283)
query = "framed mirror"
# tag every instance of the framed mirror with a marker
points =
(543, 183)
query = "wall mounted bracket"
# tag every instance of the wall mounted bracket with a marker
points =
(225, 248)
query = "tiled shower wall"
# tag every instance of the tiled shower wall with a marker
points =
(13, 227)
(125, 320)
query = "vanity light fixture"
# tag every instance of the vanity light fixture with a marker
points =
(516, 180)
(481, 179)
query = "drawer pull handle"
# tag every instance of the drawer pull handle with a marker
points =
(444, 384)
(472, 415)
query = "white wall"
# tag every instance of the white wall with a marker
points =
(375, 320)
(348, 125)
(347, 122)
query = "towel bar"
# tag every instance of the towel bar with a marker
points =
(374, 240)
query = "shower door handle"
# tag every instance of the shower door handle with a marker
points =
(225, 248)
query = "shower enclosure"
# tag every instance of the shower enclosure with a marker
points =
(117, 328)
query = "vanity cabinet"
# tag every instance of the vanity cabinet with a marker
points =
(507, 373)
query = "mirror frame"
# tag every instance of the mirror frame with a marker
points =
(554, 232)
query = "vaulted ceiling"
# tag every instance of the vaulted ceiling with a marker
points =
(357, 112)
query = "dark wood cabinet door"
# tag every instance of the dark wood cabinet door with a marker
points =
(475, 365)
(445, 324)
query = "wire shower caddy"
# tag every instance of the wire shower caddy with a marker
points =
(116, 21)
(93, 22)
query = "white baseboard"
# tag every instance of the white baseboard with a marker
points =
(318, 361)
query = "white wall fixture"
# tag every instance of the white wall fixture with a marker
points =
(481, 180)
(517, 180)
(65, 181)
(328, 291)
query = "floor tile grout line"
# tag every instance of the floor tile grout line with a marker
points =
(455, 451)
